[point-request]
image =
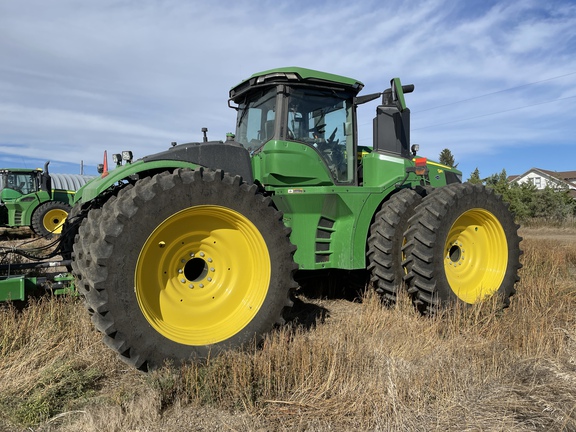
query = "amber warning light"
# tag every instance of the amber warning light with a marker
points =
(421, 167)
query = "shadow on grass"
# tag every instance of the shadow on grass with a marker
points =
(324, 285)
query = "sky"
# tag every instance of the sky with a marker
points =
(495, 81)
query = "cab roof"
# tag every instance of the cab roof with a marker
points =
(297, 75)
(20, 170)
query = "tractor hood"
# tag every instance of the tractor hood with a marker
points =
(228, 156)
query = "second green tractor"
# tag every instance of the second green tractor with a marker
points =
(37, 198)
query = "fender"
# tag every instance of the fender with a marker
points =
(123, 174)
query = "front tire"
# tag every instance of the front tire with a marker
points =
(462, 246)
(184, 265)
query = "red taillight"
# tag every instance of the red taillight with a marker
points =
(420, 162)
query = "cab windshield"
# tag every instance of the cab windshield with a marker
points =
(323, 119)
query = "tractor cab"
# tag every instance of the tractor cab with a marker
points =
(17, 182)
(291, 119)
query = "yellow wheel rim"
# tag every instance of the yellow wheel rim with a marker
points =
(54, 220)
(475, 255)
(202, 275)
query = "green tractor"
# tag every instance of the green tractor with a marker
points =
(198, 248)
(36, 198)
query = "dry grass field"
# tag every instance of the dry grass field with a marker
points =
(360, 367)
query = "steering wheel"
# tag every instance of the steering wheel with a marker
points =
(330, 139)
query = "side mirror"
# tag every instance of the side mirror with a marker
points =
(359, 100)
(397, 94)
(398, 90)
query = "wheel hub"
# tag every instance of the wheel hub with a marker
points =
(195, 270)
(455, 254)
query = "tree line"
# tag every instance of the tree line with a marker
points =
(550, 205)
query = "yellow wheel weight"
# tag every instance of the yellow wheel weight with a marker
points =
(202, 275)
(475, 255)
(54, 219)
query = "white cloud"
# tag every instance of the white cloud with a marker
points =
(85, 76)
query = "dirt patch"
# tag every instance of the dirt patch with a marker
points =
(561, 235)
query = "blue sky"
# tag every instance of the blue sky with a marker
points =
(495, 80)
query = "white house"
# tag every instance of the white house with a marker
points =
(542, 178)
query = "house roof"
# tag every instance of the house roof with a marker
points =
(562, 175)
(568, 177)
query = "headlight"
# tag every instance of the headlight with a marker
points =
(127, 156)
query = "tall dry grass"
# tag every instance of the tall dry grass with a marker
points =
(364, 367)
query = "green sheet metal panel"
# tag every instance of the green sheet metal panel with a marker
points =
(15, 287)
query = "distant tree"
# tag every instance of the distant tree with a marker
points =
(552, 205)
(519, 197)
(475, 177)
(499, 182)
(446, 158)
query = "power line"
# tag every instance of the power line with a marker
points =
(495, 113)
(499, 91)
